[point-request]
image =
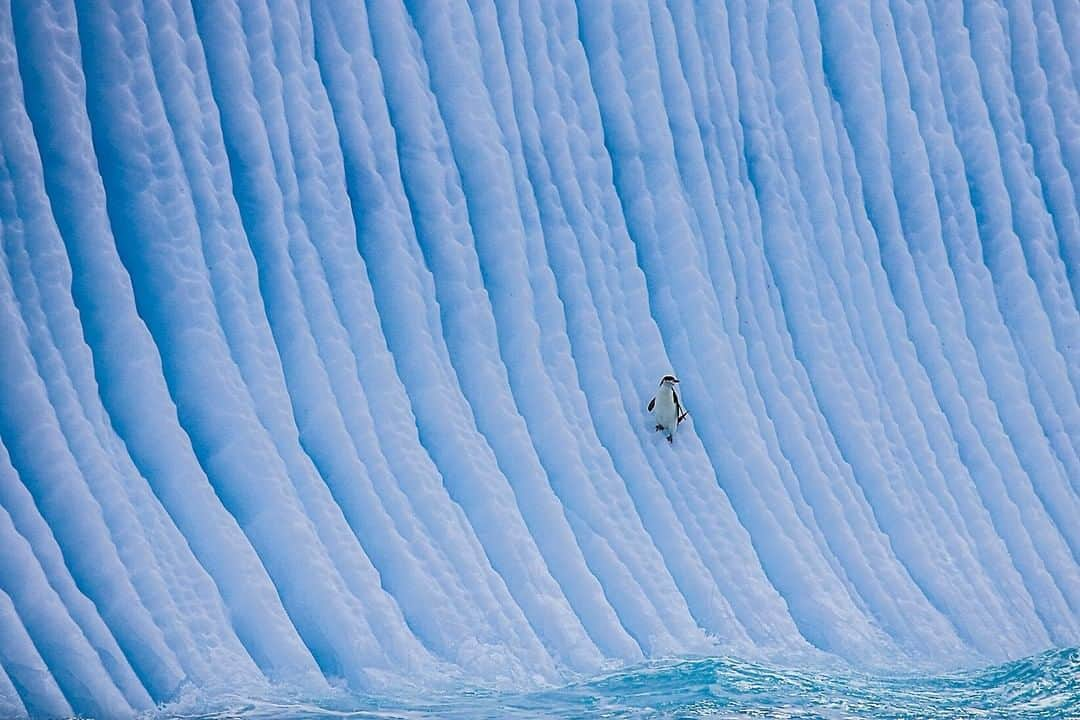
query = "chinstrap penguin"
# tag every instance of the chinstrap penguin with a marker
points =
(666, 407)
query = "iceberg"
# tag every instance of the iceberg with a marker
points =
(327, 331)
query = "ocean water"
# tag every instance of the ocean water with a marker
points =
(1042, 686)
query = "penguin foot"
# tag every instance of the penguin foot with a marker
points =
(659, 428)
(669, 439)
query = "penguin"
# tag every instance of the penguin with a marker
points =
(666, 408)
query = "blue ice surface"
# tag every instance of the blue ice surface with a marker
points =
(328, 329)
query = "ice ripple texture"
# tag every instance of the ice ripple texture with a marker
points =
(327, 329)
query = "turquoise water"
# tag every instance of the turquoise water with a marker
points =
(1043, 686)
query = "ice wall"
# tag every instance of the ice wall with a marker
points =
(327, 331)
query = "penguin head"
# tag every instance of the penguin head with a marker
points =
(669, 380)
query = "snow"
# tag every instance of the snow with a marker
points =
(328, 331)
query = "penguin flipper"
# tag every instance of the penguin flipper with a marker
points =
(652, 404)
(679, 414)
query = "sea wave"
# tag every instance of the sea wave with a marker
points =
(1041, 686)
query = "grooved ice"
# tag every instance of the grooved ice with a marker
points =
(327, 330)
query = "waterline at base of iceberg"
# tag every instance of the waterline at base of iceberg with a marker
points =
(1041, 686)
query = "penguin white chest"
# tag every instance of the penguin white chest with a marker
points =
(665, 411)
